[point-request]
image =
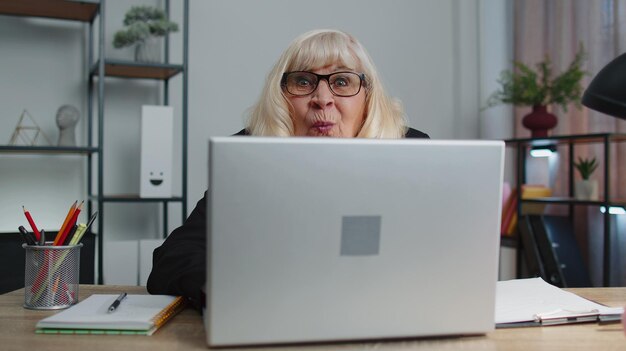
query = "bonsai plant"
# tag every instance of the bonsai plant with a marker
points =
(538, 88)
(143, 24)
(586, 189)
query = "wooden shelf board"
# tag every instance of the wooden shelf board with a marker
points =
(127, 69)
(570, 200)
(83, 11)
(47, 149)
(136, 198)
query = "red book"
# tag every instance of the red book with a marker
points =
(508, 211)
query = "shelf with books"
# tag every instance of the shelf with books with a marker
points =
(568, 144)
(516, 206)
(573, 201)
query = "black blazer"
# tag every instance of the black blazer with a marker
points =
(179, 265)
(410, 133)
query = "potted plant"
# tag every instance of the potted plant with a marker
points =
(586, 189)
(143, 24)
(539, 88)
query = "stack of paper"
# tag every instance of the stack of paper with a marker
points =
(525, 302)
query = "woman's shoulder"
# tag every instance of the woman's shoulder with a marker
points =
(242, 132)
(414, 133)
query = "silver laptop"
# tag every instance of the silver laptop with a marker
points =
(321, 240)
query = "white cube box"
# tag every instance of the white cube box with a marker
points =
(157, 124)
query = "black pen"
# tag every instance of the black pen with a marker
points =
(93, 218)
(69, 236)
(28, 237)
(117, 302)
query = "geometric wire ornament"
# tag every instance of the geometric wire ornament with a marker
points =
(27, 133)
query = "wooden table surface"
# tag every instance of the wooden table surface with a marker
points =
(186, 332)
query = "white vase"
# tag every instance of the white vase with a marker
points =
(148, 50)
(586, 190)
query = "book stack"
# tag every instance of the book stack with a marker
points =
(509, 207)
(530, 191)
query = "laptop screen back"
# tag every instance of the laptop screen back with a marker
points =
(313, 239)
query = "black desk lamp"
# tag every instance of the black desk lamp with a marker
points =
(607, 91)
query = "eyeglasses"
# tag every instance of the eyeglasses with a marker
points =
(302, 83)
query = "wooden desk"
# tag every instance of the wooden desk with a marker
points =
(186, 332)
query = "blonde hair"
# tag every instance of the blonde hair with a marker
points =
(270, 116)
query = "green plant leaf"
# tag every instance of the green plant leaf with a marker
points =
(142, 22)
(586, 167)
(525, 86)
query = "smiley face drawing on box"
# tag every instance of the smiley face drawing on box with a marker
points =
(156, 178)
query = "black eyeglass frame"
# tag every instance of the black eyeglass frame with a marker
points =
(326, 77)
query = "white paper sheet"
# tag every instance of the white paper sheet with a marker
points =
(521, 300)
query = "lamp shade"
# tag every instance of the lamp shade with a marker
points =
(607, 91)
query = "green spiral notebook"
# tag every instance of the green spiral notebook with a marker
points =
(136, 315)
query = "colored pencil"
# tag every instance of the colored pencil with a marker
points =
(60, 239)
(80, 231)
(29, 218)
(65, 222)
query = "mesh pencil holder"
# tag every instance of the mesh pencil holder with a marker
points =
(51, 276)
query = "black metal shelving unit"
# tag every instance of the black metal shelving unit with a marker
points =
(78, 11)
(162, 72)
(88, 11)
(523, 147)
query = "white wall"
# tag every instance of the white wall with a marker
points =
(496, 54)
(428, 54)
(419, 47)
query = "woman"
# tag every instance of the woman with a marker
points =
(324, 84)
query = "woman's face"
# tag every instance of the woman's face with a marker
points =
(322, 113)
